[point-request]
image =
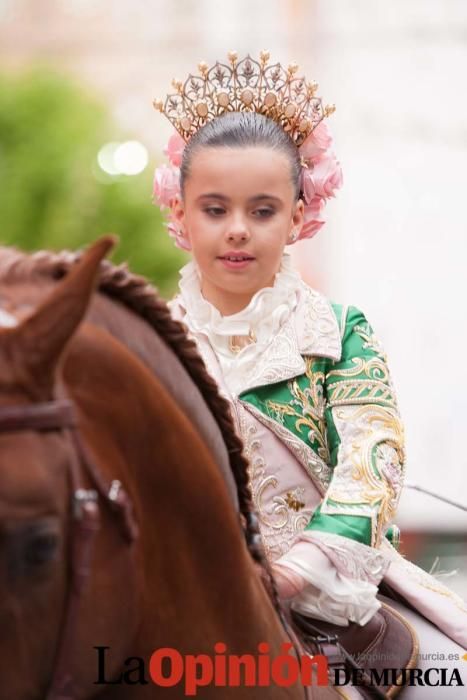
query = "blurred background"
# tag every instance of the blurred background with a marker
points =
(79, 141)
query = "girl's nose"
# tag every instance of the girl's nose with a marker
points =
(237, 232)
(238, 236)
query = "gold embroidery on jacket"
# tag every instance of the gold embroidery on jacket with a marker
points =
(372, 385)
(371, 341)
(292, 501)
(319, 471)
(281, 516)
(368, 477)
(374, 368)
(307, 407)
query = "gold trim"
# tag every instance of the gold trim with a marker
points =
(315, 467)
(373, 368)
(238, 342)
(362, 481)
(371, 341)
(311, 407)
(350, 391)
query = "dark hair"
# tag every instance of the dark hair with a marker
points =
(240, 129)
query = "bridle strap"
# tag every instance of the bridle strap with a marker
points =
(85, 525)
(60, 415)
(53, 415)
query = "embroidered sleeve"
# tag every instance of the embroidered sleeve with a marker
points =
(365, 437)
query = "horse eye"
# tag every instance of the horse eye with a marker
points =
(40, 549)
(31, 547)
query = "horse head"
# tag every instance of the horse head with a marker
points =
(35, 476)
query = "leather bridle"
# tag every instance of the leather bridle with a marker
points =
(60, 415)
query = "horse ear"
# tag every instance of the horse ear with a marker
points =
(37, 344)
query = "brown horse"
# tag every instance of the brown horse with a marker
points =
(103, 418)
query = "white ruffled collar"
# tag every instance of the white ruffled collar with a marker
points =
(289, 321)
(267, 311)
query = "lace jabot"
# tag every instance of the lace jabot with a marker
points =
(262, 319)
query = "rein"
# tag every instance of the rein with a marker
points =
(60, 416)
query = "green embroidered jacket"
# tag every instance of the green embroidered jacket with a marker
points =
(345, 410)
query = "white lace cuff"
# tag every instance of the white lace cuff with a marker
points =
(339, 599)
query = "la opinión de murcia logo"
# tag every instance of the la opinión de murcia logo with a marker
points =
(167, 667)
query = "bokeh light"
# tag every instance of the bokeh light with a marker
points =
(127, 158)
(131, 158)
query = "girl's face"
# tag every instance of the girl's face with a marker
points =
(238, 212)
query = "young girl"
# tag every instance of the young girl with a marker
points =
(307, 379)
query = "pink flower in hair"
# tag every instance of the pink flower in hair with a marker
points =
(317, 143)
(166, 185)
(312, 222)
(322, 178)
(174, 149)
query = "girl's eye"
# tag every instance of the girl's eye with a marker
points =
(263, 212)
(214, 211)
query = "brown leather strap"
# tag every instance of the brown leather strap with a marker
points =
(84, 531)
(53, 415)
(323, 640)
(113, 494)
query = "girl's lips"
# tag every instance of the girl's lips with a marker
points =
(236, 264)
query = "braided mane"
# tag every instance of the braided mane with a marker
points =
(117, 282)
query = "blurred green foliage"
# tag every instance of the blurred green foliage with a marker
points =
(52, 192)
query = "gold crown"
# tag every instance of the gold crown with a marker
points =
(245, 86)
